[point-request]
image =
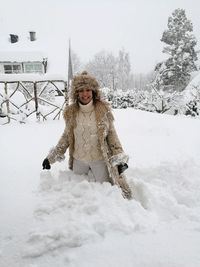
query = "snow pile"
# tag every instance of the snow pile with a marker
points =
(82, 212)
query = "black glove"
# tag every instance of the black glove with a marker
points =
(46, 164)
(122, 167)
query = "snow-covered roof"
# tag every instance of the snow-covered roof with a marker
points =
(22, 56)
(31, 77)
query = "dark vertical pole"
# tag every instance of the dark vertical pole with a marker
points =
(70, 68)
(7, 103)
(36, 100)
(66, 92)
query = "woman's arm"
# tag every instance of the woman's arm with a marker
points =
(118, 156)
(57, 152)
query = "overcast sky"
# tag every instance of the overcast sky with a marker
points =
(110, 25)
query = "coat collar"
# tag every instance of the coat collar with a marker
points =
(87, 108)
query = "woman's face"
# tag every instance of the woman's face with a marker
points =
(85, 96)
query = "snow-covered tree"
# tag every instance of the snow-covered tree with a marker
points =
(112, 72)
(174, 73)
(124, 69)
(103, 67)
(76, 63)
(141, 81)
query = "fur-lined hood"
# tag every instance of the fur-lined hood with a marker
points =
(81, 81)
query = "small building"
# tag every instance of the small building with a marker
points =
(22, 57)
(23, 62)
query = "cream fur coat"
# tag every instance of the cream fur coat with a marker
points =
(109, 142)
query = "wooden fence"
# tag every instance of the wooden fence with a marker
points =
(34, 99)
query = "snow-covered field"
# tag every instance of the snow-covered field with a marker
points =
(56, 219)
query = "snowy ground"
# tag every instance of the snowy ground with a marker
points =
(56, 219)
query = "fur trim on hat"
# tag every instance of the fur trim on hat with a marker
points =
(81, 81)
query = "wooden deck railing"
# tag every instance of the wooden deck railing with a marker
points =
(41, 99)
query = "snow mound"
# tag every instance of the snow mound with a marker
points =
(75, 211)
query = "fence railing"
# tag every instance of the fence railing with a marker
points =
(34, 99)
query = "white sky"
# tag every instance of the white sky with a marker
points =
(110, 25)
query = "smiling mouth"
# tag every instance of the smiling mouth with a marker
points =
(86, 98)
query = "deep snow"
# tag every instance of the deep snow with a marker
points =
(55, 218)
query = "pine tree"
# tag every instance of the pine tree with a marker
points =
(175, 72)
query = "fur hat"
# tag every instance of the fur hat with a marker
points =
(81, 81)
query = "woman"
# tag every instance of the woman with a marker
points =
(90, 136)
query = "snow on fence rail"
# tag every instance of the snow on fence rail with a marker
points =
(34, 99)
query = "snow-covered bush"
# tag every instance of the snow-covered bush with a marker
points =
(153, 101)
(123, 99)
(191, 98)
(193, 108)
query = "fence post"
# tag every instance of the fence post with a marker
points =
(7, 102)
(36, 101)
